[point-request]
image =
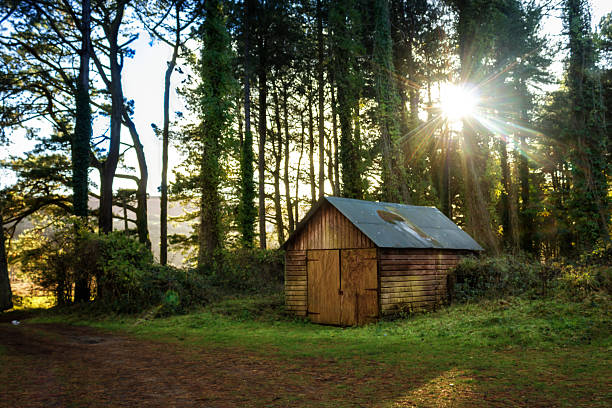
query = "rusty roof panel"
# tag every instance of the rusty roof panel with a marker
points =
(392, 225)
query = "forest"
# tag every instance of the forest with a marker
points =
(446, 104)
(496, 112)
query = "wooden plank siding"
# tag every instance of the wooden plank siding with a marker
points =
(414, 279)
(296, 284)
(329, 229)
(358, 286)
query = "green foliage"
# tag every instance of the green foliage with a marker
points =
(175, 290)
(345, 22)
(51, 259)
(589, 275)
(497, 277)
(125, 278)
(207, 144)
(590, 203)
(81, 152)
(247, 213)
(518, 275)
(246, 271)
(122, 263)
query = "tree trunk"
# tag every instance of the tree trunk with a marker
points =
(387, 101)
(311, 146)
(335, 143)
(5, 283)
(141, 192)
(117, 106)
(288, 201)
(478, 220)
(163, 217)
(209, 228)
(525, 218)
(398, 34)
(82, 130)
(80, 144)
(246, 210)
(215, 99)
(299, 169)
(345, 77)
(277, 148)
(321, 90)
(504, 199)
(445, 188)
(261, 162)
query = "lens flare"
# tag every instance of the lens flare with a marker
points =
(458, 102)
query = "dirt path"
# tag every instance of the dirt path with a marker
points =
(54, 365)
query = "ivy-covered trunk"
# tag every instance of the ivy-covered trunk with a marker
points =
(214, 95)
(590, 203)
(80, 143)
(247, 213)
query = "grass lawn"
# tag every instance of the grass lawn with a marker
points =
(495, 353)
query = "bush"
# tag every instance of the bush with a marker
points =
(124, 278)
(246, 271)
(591, 273)
(515, 275)
(129, 281)
(122, 263)
(494, 277)
(55, 260)
(177, 290)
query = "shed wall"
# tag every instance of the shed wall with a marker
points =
(414, 279)
(296, 288)
(329, 229)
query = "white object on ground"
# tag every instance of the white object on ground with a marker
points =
(15, 322)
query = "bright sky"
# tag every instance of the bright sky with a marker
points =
(143, 82)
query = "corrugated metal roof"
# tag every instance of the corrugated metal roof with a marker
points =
(391, 225)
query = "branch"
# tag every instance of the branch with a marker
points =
(128, 176)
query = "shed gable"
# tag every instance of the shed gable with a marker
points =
(328, 228)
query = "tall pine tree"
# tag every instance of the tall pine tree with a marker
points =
(215, 103)
(590, 205)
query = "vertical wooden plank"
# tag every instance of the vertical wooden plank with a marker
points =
(332, 229)
(301, 238)
(323, 285)
(345, 233)
(359, 283)
(338, 229)
(320, 233)
(312, 244)
(326, 227)
(323, 243)
(321, 228)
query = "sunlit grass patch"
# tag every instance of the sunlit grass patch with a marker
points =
(451, 388)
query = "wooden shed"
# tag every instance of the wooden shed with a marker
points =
(350, 261)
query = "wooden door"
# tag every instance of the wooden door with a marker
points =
(323, 286)
(358, 286)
